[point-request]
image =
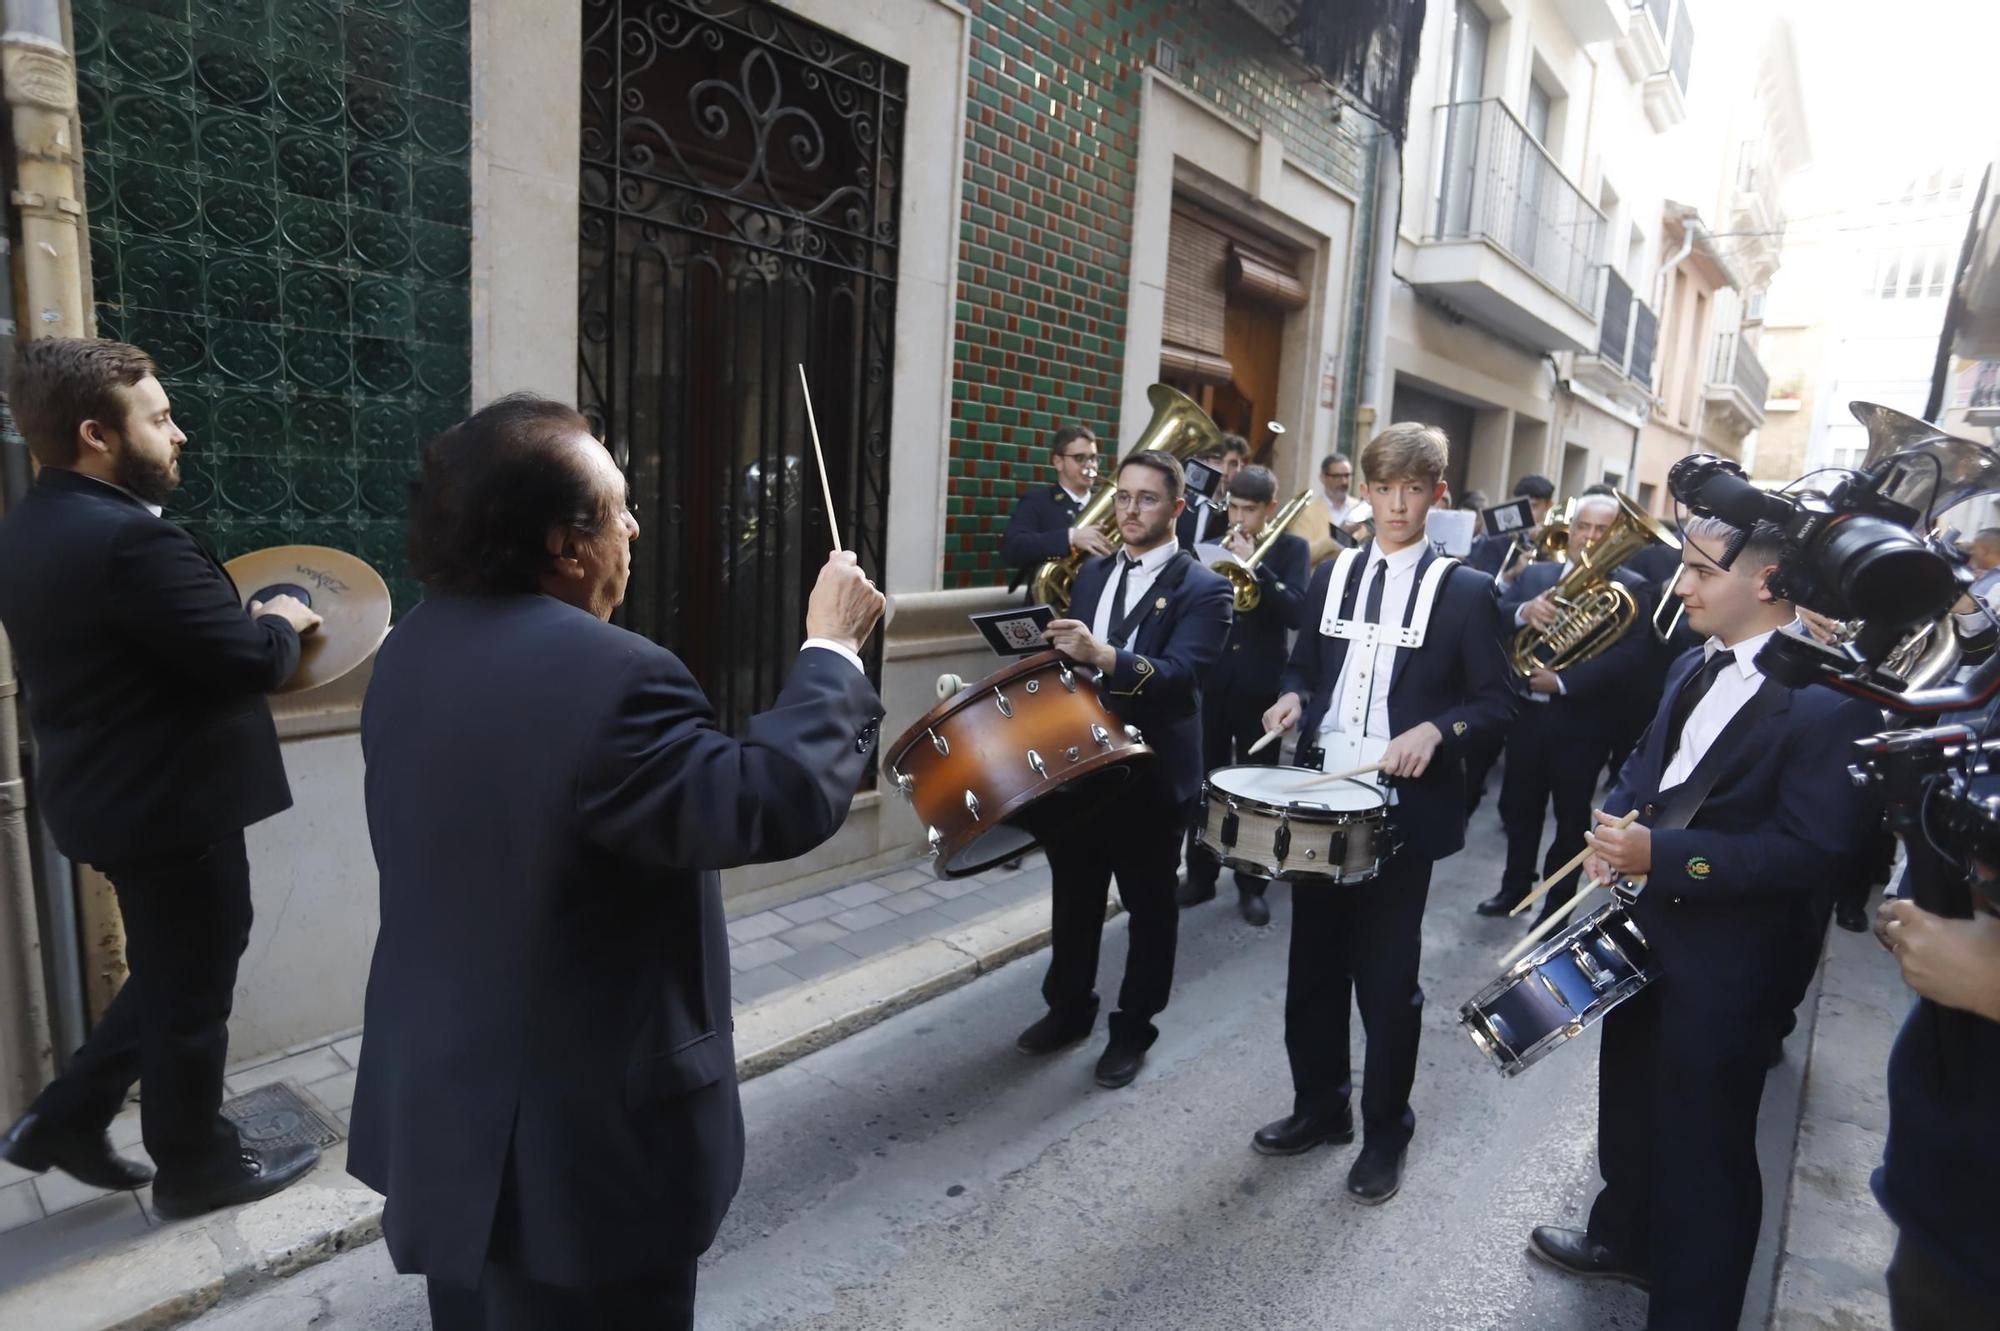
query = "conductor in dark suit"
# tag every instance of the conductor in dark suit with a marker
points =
(145, 684)
(1151, 621)
(1043, 524)
(1568, 722)
(1682, 1062)
(1244, 680)
(547, 1094)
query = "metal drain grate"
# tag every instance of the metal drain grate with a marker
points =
(274, 1115)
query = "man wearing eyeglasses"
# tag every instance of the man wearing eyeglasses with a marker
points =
(1150, 620)
(1347, 511)
(1044, 522)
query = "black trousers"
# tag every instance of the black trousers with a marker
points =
(1549, 759)
(1680, 1074)
(1362, 943)
(506, 1300)
(1231, 722)
(1137, 840)
(187, 920)
(1480, 756)
(1926, 1295)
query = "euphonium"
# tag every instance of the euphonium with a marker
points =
(1595, 608)
(1180, 427)
(1242, 574)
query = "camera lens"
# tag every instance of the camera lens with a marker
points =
(1882, 572)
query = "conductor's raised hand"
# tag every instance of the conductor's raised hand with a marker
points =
(844, 606)
(290, 609)
(1073, 638)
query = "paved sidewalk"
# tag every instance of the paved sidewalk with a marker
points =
(804, 974)
(1836, 1240)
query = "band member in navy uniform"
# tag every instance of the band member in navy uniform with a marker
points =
(1043, 525)
(1347, 513)
(1151, 621)
(1745, 810)
(1244, 682)
(1428, 680)
(1202, 522)
(1566, 728)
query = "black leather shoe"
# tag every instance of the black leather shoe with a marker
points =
(1056, 1030)
(1189, 893)
(1295, 1134)
(1499, 903)
(35, 1145)
(1255, 909)
(1852, 918)
(1576, 1252)
(258, 1172)
(1376, 1175)
(1011, 865)
(1119, 1064)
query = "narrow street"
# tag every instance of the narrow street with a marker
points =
(923, 1175)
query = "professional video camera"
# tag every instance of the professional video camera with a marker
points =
(1863, 552)
(1941, 787)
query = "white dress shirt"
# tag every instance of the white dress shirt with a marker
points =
(1736, 685)
(1349, 510)
(1083, 498)
(1398, 585)
(837, 649)
(1137, 583)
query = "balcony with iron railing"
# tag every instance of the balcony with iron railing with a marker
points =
(1622, 368)
(1738, 384)
(1510, 239)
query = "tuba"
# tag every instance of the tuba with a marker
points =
(1242, 574)
(1180, 427)
(1595, 608)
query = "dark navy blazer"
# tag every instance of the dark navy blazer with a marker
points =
(1038, 530)
(1255, 656)
(1157, 679)
(1457, 680)
(1782, 821)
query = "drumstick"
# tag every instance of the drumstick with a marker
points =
(1542, 888)
(1330, 777)
(1555, 918)
(825, 487)
(1264, 743)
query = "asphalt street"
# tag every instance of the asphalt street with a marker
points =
(924, 1175)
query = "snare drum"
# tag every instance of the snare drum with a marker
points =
(1567, 983)
(1337, 831)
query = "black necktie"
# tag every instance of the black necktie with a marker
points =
(1125, 565)
(1371, 610)
(1692, 693)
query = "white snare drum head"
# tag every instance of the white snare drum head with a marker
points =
(1276, 785)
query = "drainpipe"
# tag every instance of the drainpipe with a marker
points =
(40, 78)
(1377, 391)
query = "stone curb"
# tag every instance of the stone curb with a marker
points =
(175, 1274)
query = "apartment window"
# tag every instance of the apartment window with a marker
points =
(1892, 273)
(1915, 285)
(1939, 255)
(1541, 103)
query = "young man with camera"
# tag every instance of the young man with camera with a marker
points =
(1745, 810)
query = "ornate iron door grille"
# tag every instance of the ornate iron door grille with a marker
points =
(739, 218)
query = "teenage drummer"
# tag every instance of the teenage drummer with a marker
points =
(1150, 620)
(1244, 681)
(1426, 681)
(1745, 813)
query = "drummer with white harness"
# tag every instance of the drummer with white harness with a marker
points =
(1403, 673)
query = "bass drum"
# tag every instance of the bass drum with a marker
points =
(1004, 763)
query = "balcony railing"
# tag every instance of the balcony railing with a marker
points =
(1736, 364)
(1501, 186)
(1627, 331)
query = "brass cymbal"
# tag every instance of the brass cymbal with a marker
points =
(350, 598)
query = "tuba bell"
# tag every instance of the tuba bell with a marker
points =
(1596, 609)
(1179, 426)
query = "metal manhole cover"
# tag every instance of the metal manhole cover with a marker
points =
(274, 1115)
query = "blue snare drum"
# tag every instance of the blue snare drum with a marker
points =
(1567, 983)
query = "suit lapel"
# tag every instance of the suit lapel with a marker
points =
(1770, 703)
